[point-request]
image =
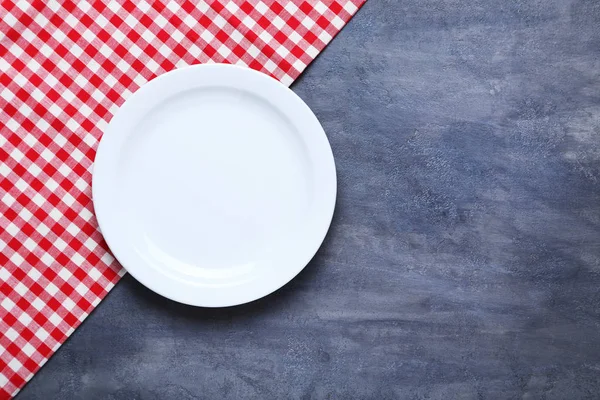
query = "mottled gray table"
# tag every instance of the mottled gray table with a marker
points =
(464, 257)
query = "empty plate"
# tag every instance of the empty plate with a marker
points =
(214, 185)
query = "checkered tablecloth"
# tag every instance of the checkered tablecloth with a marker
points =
(65, 67)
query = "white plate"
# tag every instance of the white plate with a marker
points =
(214, 185)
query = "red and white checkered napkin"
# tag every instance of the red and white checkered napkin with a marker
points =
(65, 67)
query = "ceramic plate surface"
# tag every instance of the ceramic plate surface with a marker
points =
(214, 185)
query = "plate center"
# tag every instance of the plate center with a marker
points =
(212, 180)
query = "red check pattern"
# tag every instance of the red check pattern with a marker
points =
(65, 67)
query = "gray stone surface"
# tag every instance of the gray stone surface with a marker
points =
(464, 257)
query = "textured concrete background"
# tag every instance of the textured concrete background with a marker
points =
(464, 256)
